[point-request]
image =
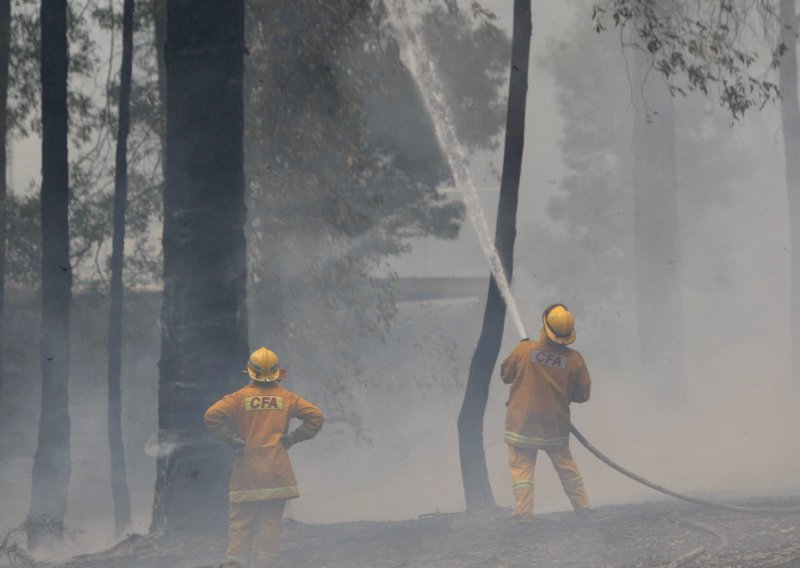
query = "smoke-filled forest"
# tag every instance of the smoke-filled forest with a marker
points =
(484, 283)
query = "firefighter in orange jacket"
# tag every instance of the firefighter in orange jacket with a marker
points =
(545, 377)
(255, 421)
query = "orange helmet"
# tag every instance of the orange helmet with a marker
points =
(559, 325)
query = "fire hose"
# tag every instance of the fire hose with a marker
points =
(690, 556)
(697, 501)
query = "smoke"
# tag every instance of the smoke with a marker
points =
(162, 446)
(731, 437)
(89, 510)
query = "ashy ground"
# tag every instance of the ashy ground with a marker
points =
(643, 535)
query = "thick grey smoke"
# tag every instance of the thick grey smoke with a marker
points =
(733, 435)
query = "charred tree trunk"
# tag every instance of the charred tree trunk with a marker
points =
(5, 53)
(790, 114)
(204, 315)
(657, 254)
(119, 481)
(51, 466)
(477, 490)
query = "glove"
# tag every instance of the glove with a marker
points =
(237, 443)
(287, 441)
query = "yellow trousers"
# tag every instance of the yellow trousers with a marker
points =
(523, 461)
(255, 523)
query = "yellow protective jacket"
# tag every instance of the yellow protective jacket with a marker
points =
(544, 377)
(260, 415)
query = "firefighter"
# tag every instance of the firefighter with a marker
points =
(545, 377)
(255, 421)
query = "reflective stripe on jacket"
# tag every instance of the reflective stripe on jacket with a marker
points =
(544, 377)
(260, 415)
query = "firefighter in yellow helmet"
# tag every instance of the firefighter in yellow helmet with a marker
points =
(545, 377)
(255, 421)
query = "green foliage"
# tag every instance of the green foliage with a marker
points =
(709, 47)
(94, 31)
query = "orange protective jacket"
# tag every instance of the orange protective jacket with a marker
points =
(544, 377)
(260, 415)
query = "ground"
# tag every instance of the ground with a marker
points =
(642, 535)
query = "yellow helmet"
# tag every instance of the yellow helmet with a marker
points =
(263, 366)
(559, 325)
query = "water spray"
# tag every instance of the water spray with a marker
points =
(417, 58)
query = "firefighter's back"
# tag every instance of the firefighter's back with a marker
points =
(263, 414)
(545, 378)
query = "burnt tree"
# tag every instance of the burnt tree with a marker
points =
(119, 483)
(204, 316)
(477, 490)
(51, 466)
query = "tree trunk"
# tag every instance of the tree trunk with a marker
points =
(204, 314)
(119, 482)
(160, 29)
(790, 113)
(657, 235)
(51, 466)
(5, 52)
(477, 490)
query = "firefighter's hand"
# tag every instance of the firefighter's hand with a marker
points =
(237, 443)
(287, 441)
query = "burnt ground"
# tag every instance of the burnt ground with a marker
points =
(642, 535)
